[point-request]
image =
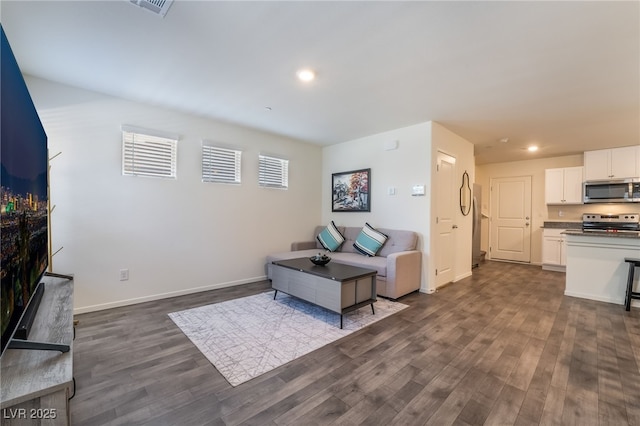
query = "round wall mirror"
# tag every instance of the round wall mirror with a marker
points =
(465, 195)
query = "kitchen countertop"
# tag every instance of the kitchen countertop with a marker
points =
(635, 235)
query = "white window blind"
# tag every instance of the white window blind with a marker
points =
(148, 155)
(220, 164)
(273, 172)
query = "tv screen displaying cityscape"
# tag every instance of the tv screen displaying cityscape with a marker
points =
(23, 198)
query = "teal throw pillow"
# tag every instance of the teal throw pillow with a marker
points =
(369, 241)
(330, 238)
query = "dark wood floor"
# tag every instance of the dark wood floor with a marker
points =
(504, 346)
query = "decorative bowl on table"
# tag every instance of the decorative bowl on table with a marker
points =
(320, 259)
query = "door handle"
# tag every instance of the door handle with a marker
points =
(454, 227)
(526, 224)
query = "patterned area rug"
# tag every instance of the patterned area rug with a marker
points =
(244, 338)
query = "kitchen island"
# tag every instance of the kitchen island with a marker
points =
(596, 268)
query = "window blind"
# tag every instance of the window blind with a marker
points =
(148, 155)
(220, 165)
(273, 172)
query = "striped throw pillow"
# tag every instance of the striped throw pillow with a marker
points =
(330, 238)
(369, 241)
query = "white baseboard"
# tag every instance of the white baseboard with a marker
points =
(463, 276)
(616, 301)
(127, 302)
(554, 268)
(594, 297)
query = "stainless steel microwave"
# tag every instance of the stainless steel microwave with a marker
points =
(612, 191)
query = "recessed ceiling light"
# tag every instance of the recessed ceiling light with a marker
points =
(306, 75)
(532, 148)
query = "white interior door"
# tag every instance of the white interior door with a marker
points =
(511, 219)
(445, 206)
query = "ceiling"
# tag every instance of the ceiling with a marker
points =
(563, 75)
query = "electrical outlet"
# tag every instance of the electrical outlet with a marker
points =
(124, 274)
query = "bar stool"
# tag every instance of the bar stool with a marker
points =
(633, 264)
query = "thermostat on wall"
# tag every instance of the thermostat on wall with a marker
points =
(417, 190)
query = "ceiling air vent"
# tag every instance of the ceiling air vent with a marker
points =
(159, 7)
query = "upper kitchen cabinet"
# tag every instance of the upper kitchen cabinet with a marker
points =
(614, 163)
(563, 186)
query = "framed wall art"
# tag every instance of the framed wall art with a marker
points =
(350, 191)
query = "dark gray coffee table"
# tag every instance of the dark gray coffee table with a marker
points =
(337, 287)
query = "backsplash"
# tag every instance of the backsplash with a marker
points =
(574, 212)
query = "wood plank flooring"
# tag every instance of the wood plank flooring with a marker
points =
(503, 347)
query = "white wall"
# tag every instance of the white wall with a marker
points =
(181, 236)
(408, 165)
(174, 236)
(446, 141)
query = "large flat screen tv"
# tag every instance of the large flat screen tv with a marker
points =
(23, 198)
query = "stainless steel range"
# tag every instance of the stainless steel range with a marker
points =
(624, 222)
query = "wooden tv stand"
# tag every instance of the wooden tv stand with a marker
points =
(36, 384)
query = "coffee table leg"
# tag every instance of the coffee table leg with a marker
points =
(276, 293)
(340, 321)
(372, 310)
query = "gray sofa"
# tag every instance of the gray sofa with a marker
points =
(398, 262)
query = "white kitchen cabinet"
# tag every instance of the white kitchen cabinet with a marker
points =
(554, 256)
(614, 163)
(563, 185)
